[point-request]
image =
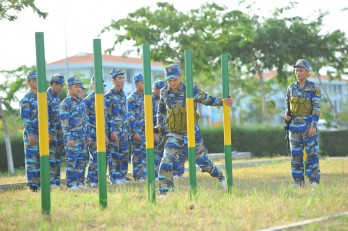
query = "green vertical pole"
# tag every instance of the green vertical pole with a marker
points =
(190, 124)
(100, 123)
(43, 124)
(227, 122)
(150, 158)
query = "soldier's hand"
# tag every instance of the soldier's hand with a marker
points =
(32, 139)
(158, 128)
(113, 136)
(137, 137)
(312, 131)
(287, 117)
(156, 138)
(51, 139)
(70, 143)
(228, 101)
(106, 140)
(88, 141)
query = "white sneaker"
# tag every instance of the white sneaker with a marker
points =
(118, 181)
(54, 186)
(93, 185)
(74, 188)
(314, 184)
(223, 184)
(84, 187)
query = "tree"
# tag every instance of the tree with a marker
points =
(8, 8)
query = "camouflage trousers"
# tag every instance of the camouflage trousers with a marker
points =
(92, 174)
(158, 153)
(56, 147)
(76, 162)
(300, 141)
(139, 157)
(174, 146)
(117, 154)
(32, 162)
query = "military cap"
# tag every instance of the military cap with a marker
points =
(93, 80)
(57, 78)
(73, 80)
(115, 72)
(172, 71)
(31, 75)
(138, 77)
(302, 63)
(158, 84)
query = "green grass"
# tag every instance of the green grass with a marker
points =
(262, 197)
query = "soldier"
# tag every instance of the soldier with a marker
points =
(158, 151)
(56, 85)
(116, 113)
(74, 121)
(303, 102)
(136, 122)
(92, 175)
(172, 102)
(29, 117)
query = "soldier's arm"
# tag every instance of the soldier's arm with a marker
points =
(316, 95)
(131, 104)
(24, 105)
(203, 98)
(161, 112)
(108, 110)
(64, 114)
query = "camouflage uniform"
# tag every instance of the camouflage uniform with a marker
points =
(74, 121)
(177, 143)
(136, 122)
(299, 128)
(155, 100)
(54, 129)
(116, 113)
(29, 116)
(92, 175)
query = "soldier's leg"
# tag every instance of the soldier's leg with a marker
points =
(81, 161)
(72, 155)
(158, 156)
(92, 174)
(32, 163)
(60, 152)
(137, 157)
(312, 149)
(123, 156)
(112, 149)
(165, 177)
(205, 163)
(53, 161)
(296, 148)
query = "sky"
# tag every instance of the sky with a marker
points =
(71, 26)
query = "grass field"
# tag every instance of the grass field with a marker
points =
(262, 197)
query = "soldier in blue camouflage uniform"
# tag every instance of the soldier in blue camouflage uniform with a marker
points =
(116, 113)
(303, 101)
(56, 85)
(92, 175)
(136, 123)
(29, 116)
(172, 108)
(74, 121)
(158, 152)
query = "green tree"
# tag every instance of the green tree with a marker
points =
(8, 8)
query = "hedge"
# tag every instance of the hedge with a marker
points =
(260, 141)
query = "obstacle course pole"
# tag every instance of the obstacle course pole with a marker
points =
(100, 123)
(190, 124)
(43, 124)
(150, 159)
(227, 122)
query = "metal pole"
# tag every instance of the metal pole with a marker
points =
(227, 122)
(190, 124)
(150, 158)
(100, 123)
(43, 124)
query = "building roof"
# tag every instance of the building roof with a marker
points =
(88, 57)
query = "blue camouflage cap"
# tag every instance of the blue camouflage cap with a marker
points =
(137, 78)
(302, 63)
(57, 78)
(93, 79)
(172, 71)
(73, 80)
(31, 75)
(158, 84)
(115, 72)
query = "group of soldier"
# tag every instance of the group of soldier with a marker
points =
(72, 131)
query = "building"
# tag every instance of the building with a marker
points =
(82, 65)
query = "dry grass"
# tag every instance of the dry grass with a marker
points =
(262, 197)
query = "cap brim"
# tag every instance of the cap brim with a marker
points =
(171, 77)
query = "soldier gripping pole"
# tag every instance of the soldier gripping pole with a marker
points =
(100, 123)
(150, 158)
(43, 124)
(190, 124)
(227, 122)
